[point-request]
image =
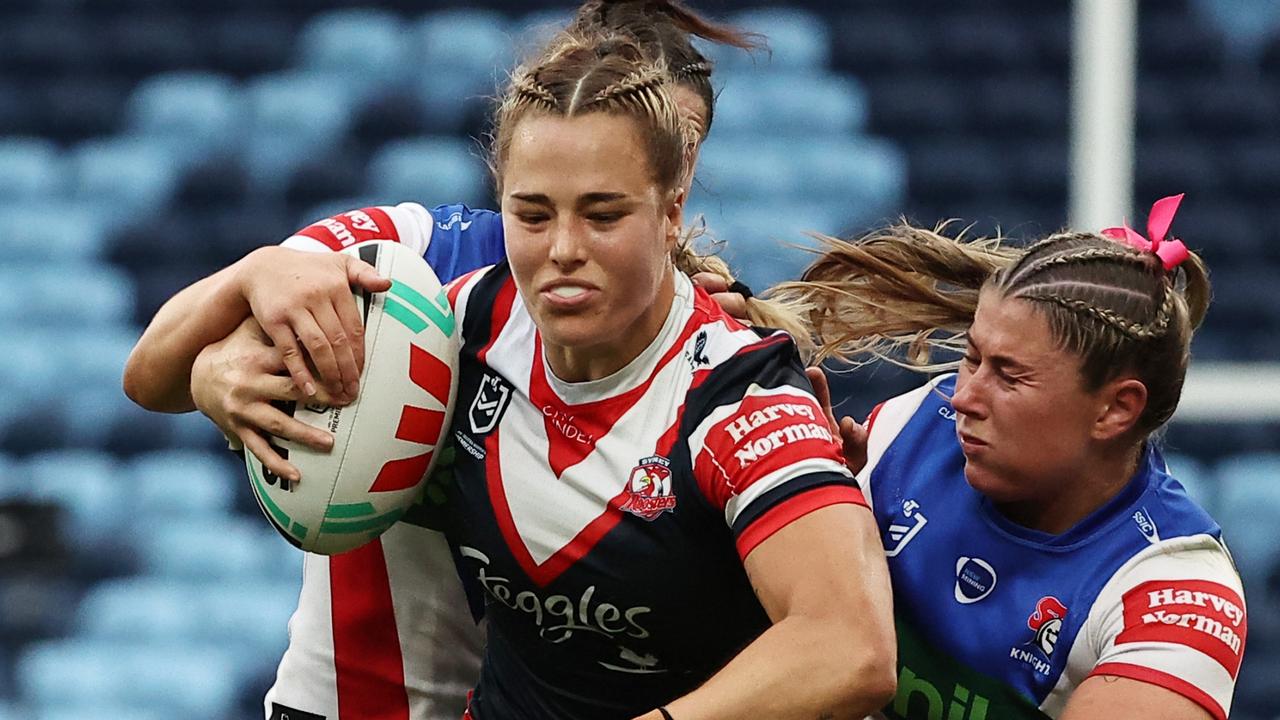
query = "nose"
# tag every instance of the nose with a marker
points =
(967, 398)
(567, 245)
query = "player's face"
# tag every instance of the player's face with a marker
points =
(1023, 415)
(589, 235)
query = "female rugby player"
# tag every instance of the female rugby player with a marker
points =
(656, 470)
(1044, 562)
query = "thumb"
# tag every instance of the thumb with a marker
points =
(361, 274)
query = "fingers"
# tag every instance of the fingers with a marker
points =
(853, 437)
(352, 324)
(291, 355)
(266, 418)
(822, 392)
(316, 343)
(339, 342)
(361, 274)
(710, 282)
(269, 458)
(732, 303)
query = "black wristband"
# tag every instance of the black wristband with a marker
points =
(666, 715)
(739, 287)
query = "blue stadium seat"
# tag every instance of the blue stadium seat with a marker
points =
(290, 116)
(182, 680)
(427, 170)
(1248, 24)
(252, 616)
(124, 177)
(917, 106)
(89, 485)
(1249, 512)
(742, 168)
(36, 604)
(798, 39)
(251, 41)
(141, 609)
(533, 30)
(70, 295)
(364, 47)
(43, 229)
(12, 483)
(115, 712)
(865, 179)
(192, 113)
(181, 483)
(762, 245)
(476, 43)
(78, 106)
(210, 548)
(792, 104)
(33, 169)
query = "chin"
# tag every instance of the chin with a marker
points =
(988, 483)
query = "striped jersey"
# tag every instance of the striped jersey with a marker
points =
(383, 632)
(998, 621)
(606, 522)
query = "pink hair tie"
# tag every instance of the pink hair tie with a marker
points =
(1171, 252)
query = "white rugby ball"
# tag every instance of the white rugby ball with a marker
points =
(386, 442)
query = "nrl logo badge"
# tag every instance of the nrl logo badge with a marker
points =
(648, 490)
(489, 404)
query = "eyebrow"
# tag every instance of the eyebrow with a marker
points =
(1003, 361)
(592, 198)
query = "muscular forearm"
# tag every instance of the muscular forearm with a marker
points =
(157, 375)
(802, 668)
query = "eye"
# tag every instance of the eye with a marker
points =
(532, 218)
(605, 218)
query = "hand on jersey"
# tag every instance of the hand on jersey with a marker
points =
(851, 433)
(303, 302)
(234, 382)
(718, 288)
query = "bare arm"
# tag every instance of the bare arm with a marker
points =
(1117, 698)
(831, 651)
(303, 301)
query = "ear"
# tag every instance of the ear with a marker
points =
(1122, 402)
(675, 214)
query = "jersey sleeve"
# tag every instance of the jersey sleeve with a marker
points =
(884, 424)
(454, 239)
(1174, 617)
(763, 453)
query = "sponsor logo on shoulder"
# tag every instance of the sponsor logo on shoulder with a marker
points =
(1046, 622)
(489, 403)
(1200, 614)
(975, 579)
(902, 533)
(454, 220)
(1146, 525)
(698, 356)
(648, 490)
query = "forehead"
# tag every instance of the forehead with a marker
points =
(1014, 329)
(559, 155)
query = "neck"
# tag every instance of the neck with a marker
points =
(1080, 495)
(584, 363)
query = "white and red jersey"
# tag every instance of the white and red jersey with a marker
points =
(998, 621)
(384, 632)
(606, 522)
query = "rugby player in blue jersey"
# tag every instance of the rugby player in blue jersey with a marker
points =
(1044, 562)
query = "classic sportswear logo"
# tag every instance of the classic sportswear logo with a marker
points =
(899, 535)
(454, 220)
(1199, 614)
(975, 579)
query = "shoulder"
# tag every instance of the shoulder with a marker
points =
(924, 410)
(483, 300)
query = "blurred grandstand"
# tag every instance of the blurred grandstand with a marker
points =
(145, 143)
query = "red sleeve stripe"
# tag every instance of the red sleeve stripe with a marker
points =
(367, 659)
(347, 229)
(792, 509)
(871, 419)
(1164, 680)
(454, 288)
(502, 306)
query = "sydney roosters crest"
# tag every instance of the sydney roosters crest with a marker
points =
(648, 490)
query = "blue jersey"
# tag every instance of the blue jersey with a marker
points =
(998, 621)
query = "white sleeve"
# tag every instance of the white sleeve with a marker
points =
(885, 422)
(1173, 616)
(407, 223)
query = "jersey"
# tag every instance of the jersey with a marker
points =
(383, 632)
(996, 620)
(607, 522)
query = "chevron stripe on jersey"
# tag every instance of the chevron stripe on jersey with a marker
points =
(1015, 620)
(623, 499)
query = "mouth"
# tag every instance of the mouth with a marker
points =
(567, 294)
(969, 442)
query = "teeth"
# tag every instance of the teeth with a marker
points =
(567, 291)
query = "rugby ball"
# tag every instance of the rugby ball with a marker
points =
(386, 442)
